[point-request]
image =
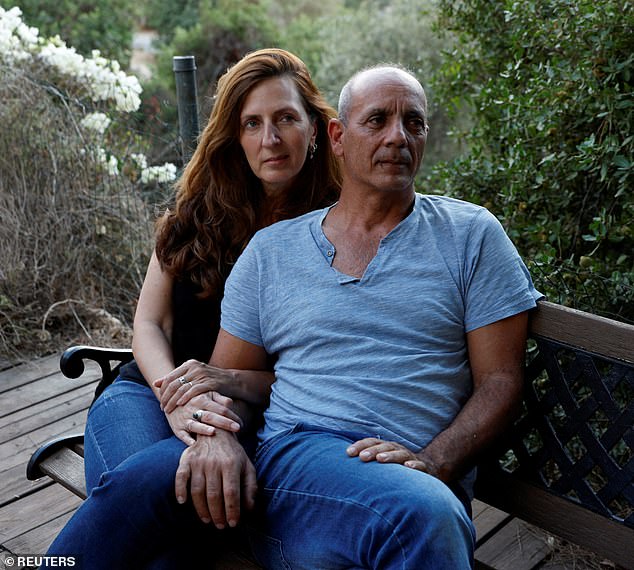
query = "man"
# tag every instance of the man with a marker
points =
(399, 326)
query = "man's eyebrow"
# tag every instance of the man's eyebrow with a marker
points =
(372, 112)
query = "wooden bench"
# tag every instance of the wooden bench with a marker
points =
(566, 467)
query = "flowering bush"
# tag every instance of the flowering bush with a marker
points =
(97, 78)
(102, 79)
(74, 222)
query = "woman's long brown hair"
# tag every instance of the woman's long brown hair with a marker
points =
(219, 199)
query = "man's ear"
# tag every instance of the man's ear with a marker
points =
(336, 131)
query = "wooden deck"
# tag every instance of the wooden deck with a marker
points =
(38, 404)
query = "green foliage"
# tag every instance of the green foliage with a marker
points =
(549, 84)
(285, 12)
(105, 25)
(165, 16)
(334, 37)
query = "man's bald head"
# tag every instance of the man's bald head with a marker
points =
(370, 76)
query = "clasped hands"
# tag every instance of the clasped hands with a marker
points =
(214, 466)
(195, 387)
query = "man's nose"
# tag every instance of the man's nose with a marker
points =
(396, 133)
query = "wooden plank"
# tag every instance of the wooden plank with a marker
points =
(585, 330)
(44, 413)
(487, 519)
(16, 485)
(28, 372)
(565, 519)
(19, 449)
(17, 452)
(67, 468)
(48, 504)
(38, 539)
(25, 396)
(517, 546)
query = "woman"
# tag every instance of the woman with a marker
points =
(231, 187)
(263, 156)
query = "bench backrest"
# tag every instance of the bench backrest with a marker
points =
(568, 463)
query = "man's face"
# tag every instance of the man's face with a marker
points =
(383, 143)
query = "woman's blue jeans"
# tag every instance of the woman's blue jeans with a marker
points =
(125, 419)
(131, 518)
(316, 508)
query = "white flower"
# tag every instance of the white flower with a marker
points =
(97, 122)
(139, 159)
(164, 173)
(102, 79)
(17, 40)
(113, 166)
(109, 161)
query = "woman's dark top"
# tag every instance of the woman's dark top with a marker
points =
(196, 323)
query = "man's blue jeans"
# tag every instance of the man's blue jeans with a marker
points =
(320, 509)
(316, 507)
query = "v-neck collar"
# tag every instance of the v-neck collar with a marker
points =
(328, 249)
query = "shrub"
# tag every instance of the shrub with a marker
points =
(225, 31)
(549, 85)
(75, 230)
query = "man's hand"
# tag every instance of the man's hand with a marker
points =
(221, 478)
(374, 449)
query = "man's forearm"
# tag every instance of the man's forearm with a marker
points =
(249, 414)
(485, 415)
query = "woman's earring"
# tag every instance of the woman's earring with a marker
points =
(312, 149)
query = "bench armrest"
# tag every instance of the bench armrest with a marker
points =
(72, 362)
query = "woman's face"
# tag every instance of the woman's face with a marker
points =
(275, 133)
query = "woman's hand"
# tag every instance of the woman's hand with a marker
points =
(191, 379)
(202, 415)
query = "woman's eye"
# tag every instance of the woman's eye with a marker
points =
(250, 124)
(287, 118)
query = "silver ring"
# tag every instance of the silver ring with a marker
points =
(182, 380)
(198, 415)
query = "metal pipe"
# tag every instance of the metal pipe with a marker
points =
(187, 103)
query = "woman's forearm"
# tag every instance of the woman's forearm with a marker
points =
(153, 353)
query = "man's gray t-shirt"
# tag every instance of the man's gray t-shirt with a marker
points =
(384, 355)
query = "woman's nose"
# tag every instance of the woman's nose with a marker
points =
(271, 134)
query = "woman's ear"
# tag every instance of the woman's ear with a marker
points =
(313, 138)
